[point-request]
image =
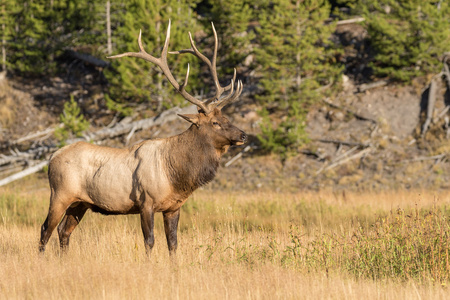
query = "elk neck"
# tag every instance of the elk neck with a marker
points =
(192, 160)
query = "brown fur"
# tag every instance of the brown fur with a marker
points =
(153, 176)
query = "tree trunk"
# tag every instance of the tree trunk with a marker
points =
(298, 55)
(3, 40)
(108, 26)
(430, 105)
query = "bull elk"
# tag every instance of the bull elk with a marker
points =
(153, 176)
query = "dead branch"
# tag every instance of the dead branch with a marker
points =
(312, 153)
(130, 135)
(35, 153)
(10, 169)
(344, 160)
(442, 113)
(324, 87)
(337, 158)
(367, 86)
(438, 157)
(350, 21)
(32, 136)
(24, 173)
(122, 129)
(342, 143)
(356, 115)
(345, 154)
(89, 59)
(236, 157)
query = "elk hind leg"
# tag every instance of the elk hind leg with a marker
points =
(55, 213)
(170, 228)
(73, 216)
(147, 224)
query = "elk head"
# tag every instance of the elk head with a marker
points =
(209, 119)
(217, 128)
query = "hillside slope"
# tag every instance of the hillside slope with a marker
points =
(360, 141)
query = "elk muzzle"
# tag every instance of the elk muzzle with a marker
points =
(242, 139)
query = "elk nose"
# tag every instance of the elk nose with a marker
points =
(244, 137)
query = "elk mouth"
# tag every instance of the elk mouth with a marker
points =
(241, 141)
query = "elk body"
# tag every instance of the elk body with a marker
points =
(152, 176)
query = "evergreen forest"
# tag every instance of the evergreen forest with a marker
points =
(284, 51)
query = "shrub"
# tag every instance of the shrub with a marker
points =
(73, 122)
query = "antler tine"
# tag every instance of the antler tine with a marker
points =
(232, 82)
(166, 46)
(228, 87)
(219, 89)
(141, 54)
(162, 64)
(185, 79)
(213, 99)
(211, 63)
(230, 98)
(212, 66)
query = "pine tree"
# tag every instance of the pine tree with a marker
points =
(8, 9)
(73, 122)
(407, 36)
(137, 80)
(42, 31)
(297, 59)
(231, 19)
(28, 46)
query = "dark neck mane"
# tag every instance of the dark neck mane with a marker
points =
(192, 160)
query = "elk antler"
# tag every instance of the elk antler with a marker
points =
(162, 64)
(216, 101)
(208, 105)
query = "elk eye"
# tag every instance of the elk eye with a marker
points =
(216, 124)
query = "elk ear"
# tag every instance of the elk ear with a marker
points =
(193, 118)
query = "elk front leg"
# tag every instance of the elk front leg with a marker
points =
(147, 224)
(170, 228)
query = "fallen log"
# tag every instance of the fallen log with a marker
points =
(236, 157)
(89, 59)
(345, 159)
(122, 129)
(350, 21)
(345, 143)
(367, 86)
(26, 172)
(35, 153)
(434, 157)
(33, 136)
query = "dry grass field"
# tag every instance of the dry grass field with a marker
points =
(255, 245)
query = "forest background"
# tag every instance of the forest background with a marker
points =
(298, 61)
